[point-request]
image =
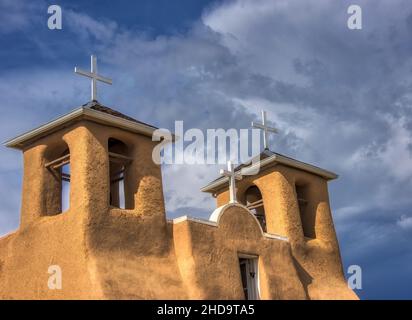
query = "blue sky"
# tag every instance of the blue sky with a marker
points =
(341, 98)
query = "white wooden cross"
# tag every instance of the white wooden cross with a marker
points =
(94, 76)
(233, 176)
(266, 129)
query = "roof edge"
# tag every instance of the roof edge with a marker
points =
(17, 141)
(88, 114)
(276, 158)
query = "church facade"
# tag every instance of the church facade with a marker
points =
(276, 242)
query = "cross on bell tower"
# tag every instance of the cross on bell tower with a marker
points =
(233, 176)
(266, 129)
(94, 76)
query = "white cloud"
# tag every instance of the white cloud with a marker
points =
(405, 222)
(349, 212)
(182, 185)
(17, 15)
(86, 26)
(397, 155)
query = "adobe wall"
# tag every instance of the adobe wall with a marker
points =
(208, 258)
(27, 254)
(317, 260)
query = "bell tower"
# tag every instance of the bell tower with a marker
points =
(90, 161)
(289, 197)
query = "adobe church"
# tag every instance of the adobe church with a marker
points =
(270, 237)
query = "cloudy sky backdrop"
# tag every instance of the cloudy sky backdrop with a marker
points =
(341, 98)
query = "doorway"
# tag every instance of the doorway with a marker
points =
(250, 276)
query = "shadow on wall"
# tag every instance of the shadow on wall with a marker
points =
(304, 276)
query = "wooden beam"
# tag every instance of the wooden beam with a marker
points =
(119, 157)
(61, 164)
(255, 204)
(66, 177)
(57, 163)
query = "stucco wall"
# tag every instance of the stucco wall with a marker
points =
(208, 258)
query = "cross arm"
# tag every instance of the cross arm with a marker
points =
(103, 79)
(83, 73)
(263, 127)
(229, 174)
